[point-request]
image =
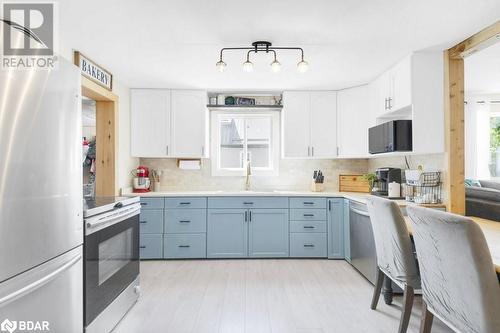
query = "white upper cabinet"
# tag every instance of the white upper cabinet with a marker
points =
(353, 108)
(150, 123)
(189, 123)
(167, 123)
(413, 89)
(295, 118)
(309, 124)
(323, 115)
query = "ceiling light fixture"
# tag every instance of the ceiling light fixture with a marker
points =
(263, 46)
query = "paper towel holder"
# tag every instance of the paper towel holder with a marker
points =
(189, 163)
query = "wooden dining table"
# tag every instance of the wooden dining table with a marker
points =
(491, 231)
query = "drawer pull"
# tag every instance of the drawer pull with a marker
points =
(308, 227)
(184, 221)
(184, 203)
(308, 203)
(184, 246)
(308, 245)
(143, 222)
(248, 203)
(308, 215)
(142, 246)
(144, 203)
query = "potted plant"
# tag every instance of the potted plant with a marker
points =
(371, 178)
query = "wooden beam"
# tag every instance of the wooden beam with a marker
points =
(106, 143)
(96, 92)
(455, 132)
(486, 37)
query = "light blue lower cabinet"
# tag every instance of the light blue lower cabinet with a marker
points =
(227, 233)
(308, 244)
(336, 228)
(178, 246)
(307, 226)
(151, 246)
(268, 233)
(347, 232)
(151, 221)
(185, 221)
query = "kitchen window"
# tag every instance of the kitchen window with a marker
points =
(240, 137)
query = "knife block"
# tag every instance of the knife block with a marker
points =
(317, 187)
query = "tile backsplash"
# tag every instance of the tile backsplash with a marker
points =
(293, 175)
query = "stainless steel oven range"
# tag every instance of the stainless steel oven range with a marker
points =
(111, 265)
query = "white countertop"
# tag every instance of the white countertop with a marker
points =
(359, 197)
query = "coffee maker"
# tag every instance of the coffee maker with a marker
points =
(385, 176)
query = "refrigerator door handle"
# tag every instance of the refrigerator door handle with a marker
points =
(38, 283)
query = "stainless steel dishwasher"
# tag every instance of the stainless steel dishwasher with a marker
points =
(363, 255)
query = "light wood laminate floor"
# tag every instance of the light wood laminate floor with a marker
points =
(254, 296)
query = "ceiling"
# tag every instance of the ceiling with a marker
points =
(176, 43)
(482, 71)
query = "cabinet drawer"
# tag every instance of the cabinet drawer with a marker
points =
(248, 202)
(151, 246)
(186, 202)
(308, 244)
(151, 221)
(152, 203)
(307, 202)
(307, 226)
(308, 214)
(185, 246)
(185, 220)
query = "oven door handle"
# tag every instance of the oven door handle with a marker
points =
(120, 215)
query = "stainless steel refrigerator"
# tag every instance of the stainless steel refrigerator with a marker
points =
(41, 219)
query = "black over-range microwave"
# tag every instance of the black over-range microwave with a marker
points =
(389, 137)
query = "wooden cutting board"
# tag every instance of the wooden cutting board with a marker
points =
(353, 183)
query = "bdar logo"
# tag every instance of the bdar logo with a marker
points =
(8, 326)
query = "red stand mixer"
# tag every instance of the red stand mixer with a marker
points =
(141, 179)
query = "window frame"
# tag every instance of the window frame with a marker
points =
(215, 137)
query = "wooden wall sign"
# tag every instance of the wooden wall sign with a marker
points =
(93, 71)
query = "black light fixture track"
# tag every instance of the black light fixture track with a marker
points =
(263, 46)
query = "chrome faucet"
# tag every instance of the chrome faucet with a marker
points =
(249, 173)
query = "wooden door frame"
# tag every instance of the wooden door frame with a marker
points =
(106, 136)
(454, 111)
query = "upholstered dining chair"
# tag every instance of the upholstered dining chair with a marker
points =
(395, 257)
(459, 282)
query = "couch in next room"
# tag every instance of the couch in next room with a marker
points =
(482, 199)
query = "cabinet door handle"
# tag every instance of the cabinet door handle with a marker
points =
(308, 151)
(184, 203)
(312, 151)
(202, 150)
(308, 245)
(308, 215)
(167, 150)
(389, 103)
(308, 227)
(250, 216)
(144, 203)
(308, 203)
(385, 105)
(246, 216)
(248, 203)
(143, 222)
(184, 221)
(184, 246)
(142, 246)
(329, 205)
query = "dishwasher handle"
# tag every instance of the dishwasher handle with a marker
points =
(359, 212)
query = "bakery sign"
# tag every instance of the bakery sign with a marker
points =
(93, 71)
